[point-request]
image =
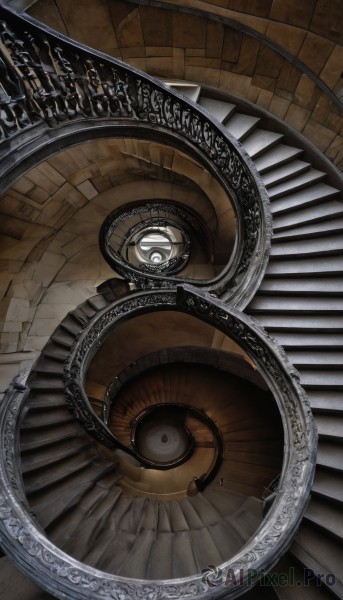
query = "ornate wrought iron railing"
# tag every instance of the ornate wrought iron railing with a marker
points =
(56, 93)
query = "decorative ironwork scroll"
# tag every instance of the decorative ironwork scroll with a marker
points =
(52, 82)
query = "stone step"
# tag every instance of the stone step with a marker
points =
(325, 266)
(330, 455)
(30, 461)
(321, 554)
(97, 302)
(39, 400)
(300, 323)
(311, 358)
(72, 466)
(284, 173)
(218, 109)
(161, 557)
(50, 435)
(304, 180)
(315, 194)
(190, 90)
(316, 213)
(306, 286)
(295, 304)
(316, 229)
(328, 484)
(139, 556)
(240, 125)
(326, 401)
(259, 141)
(36, 418)
(292, 340)
(327, 515)
(276, 157)
(329, 244)
(79, 512)
(330, 426)
(320, 378)
(183, 559)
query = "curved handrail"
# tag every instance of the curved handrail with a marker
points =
(58, 93)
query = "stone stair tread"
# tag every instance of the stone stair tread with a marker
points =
(324, 557)
(328, 244)
(295, 304)
(276, 157)
(117, 551)
(314, 358)
(290, 340)
(63, 470)
(54, 503)
(50, 435)
(330, 455)
(329, 484)
(311, 323)
(240, 125)
(217, 108)
(161, 556)
(285, 172)
(329, 426)
(297, 183)
(306, 285)
(316, 378)
(36, 419)
(184, 561)
(163, 519)
(246, 518)
(259, 141)
(326, 400)
(316, 193)
(191, 90)
(228, 540)
(97, 302)
(39, 400)
(74, 520)
(205, 509)
(36, 459)
(296, 588)
(326, 514)
(205, 548)
(316, 213)
(132, 519)
(192, 517)
(137, 560)
(178, 520)
(318, 229)
(326, 265)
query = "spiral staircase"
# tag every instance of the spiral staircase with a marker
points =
(102, 508)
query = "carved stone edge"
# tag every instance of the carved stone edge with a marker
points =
(67, 578)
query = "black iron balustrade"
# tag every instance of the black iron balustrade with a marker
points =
(56, 93)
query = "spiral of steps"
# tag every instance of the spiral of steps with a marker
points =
(83, 498)
(106, 511)
(300, 303)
